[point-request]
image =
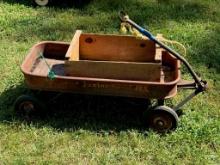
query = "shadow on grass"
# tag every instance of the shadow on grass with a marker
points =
(55, 3)
(73, 112)
(101, 16)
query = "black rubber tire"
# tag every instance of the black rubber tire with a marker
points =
(80, 3)
(42, 2)
(161, 119)
(27, 106)
(179, 112)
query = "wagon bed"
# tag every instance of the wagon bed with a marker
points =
(153, 77)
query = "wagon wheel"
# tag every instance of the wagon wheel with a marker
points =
(162, 119)
(26, 106)
(79, 3)
(42, 2)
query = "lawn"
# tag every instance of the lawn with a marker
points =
(107, 130)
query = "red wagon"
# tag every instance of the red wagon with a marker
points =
(109, 65)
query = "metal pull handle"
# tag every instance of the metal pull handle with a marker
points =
(202, 85)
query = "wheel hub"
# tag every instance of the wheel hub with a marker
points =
(27, 106)
(162, 122)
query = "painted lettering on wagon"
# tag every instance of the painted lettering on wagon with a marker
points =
(138, 88)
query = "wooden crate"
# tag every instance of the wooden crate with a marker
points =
(113, 57)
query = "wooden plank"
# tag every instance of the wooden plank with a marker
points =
(158, 54)
(114, 70)
(73, 51)
(162, 76)
(116, 48)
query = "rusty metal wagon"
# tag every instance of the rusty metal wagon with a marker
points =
(115, 65)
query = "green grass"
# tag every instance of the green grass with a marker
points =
(91, 132)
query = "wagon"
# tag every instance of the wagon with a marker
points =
(115, 65)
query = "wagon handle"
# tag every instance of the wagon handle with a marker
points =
(201, 85)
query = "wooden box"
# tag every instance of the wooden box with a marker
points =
(113, 57)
